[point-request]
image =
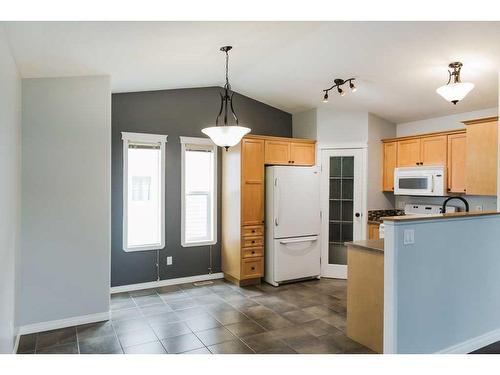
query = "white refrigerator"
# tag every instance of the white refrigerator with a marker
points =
(292, 224)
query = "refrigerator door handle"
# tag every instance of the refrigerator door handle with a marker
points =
(277, 200)
(300, 239)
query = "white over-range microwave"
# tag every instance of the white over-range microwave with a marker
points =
(426, 180)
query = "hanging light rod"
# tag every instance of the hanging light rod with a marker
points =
(226, 135)
(338, 82)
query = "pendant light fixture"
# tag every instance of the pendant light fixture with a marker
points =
(455, 90)
(226, 135)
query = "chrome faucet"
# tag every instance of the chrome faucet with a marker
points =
(443, 209)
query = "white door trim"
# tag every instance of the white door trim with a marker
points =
(362, 148)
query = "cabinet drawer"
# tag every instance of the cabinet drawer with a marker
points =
(252, 230)
(252, 267)
(252, 241)
(252, 252)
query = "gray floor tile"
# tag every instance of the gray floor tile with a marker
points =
(95, 330)
(171, 330)
(198, 351)
(69, 348)
(180, 344)
(162, 319)
(121, 304)
(298, 316)
(148, 300)
(125, 314)
(182, 304)
(264, 342)
(56, 337)
(201, 323)
(192, 312)
(229, 317)
(100, 345)
(215, 336)
(155, 309)
(149, 348)
(143, 292)
(230, 347)
(258, 312)
(319, 328)
(27, 343)
(318, 311)
(207, 300)
(141, 336)
(274, 322)
(130, 325)
(244, 329)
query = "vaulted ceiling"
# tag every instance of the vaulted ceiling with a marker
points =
(398, 65)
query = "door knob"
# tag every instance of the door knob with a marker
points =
(357, 214)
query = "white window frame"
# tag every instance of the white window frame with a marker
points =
(147, 138)
(185, 141)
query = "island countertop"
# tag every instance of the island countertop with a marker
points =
(450, 215)
(377, 245)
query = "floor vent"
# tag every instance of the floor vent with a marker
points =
(203, 283)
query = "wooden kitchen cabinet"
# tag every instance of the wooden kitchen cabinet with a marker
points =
(481, 158)
(243, 195)
(302, 153)
(408, 153)
(389, 164)
(456, 163)
(277, 152)
(286, 152)
(433, 150)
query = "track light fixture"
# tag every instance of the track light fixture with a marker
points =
(338, 82)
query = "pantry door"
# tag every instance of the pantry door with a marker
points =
(342, 207)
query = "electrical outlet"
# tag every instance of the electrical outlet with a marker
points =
(169, 261)
(479, 207)
(408, 236)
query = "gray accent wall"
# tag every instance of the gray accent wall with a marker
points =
(181, 112)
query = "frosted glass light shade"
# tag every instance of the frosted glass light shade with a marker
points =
(226, 135)
(455, 92)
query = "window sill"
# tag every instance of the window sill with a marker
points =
(197, 244)
(144, 248)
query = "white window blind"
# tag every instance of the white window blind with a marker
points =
(199, 199)
(143, 191)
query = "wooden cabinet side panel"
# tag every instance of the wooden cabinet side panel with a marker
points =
(408, 153)
(230, 219)
(433, 150)
(456, 163)
(365, 297)
(481, 158)
(303, 153)
(389, 158)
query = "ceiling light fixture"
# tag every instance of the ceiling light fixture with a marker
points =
(338, 82)
(226, 135)
(455, 90)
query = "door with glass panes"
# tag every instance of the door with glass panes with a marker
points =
(342, 205)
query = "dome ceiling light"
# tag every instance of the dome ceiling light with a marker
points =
(226, 135)
(338, 82)
(455, 90)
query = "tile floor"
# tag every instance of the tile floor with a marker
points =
(304, 317)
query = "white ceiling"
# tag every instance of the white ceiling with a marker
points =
(398, 65)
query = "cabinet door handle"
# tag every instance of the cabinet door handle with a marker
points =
(253, 230)
(253, 241)
(253, 268)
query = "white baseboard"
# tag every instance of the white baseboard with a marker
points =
(158, 284)
(63, 323)
(473, 344)
(16, 343)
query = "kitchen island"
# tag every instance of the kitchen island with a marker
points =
(365, 293)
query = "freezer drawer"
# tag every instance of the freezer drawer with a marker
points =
(296, 258)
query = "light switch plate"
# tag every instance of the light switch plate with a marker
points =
(408, 236)
(169, 261)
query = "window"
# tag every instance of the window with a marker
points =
(143, 191)
(199, 196)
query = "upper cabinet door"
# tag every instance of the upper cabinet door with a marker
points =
(389, 164)
(302, 153)
(481, 158)
(277, 152)
(252, 160)
(433, 150)
(456, 162)
(408, 153)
